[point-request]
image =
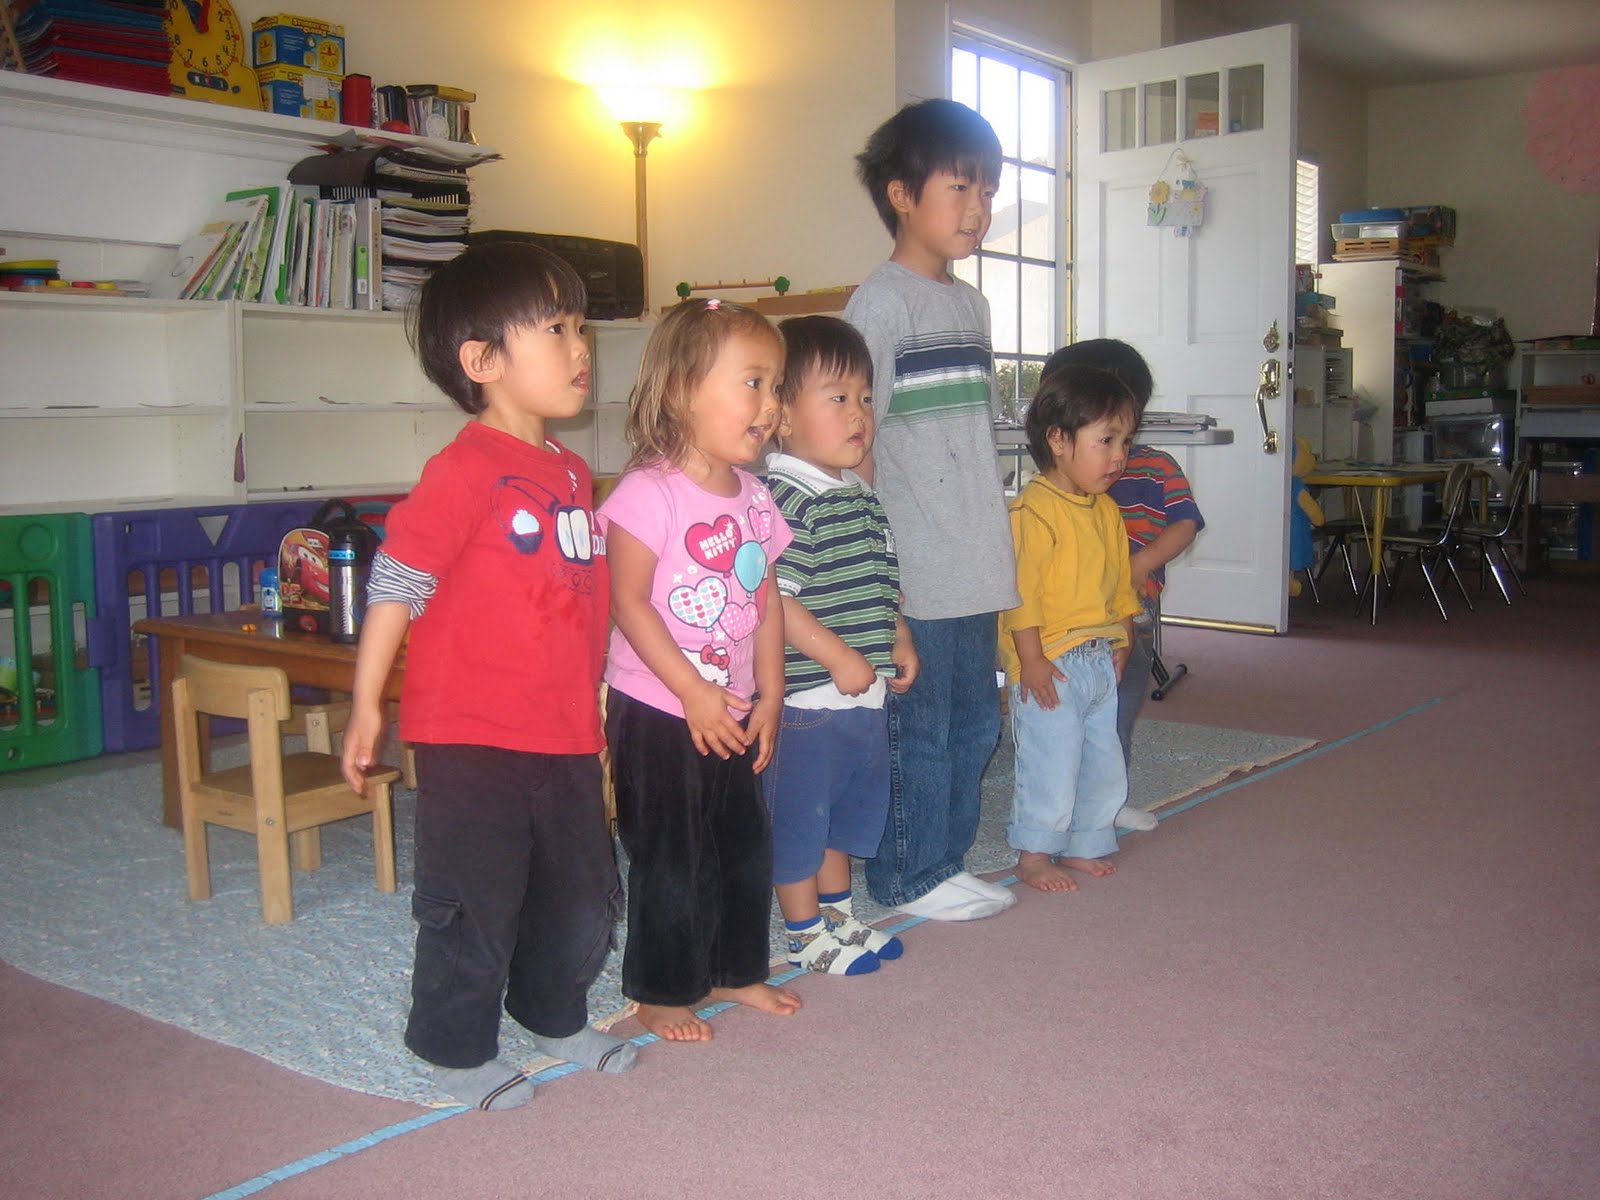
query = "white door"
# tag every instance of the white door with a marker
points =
(1199, 308)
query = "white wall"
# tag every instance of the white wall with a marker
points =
(1333, 134)
(1524, 246)
(752, 176)
(1055, 28)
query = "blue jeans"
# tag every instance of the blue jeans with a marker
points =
(1071, 779)
(941, 735)
(827, 787)
(1135, 685)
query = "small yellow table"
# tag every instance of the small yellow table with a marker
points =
(1378, 481)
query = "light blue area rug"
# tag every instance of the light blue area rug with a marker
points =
(93, 895)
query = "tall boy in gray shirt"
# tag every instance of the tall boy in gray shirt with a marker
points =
(931, 170)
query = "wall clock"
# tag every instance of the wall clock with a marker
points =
(209, 51)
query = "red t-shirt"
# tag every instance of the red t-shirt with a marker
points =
(509, 650)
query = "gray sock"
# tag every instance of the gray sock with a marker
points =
(493, 1087)
(591, 1048)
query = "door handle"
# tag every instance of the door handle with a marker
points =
(1266, 390)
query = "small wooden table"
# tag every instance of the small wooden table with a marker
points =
(307, 658)
(1380, 481)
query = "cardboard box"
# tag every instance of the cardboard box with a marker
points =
(303, 42)
(297, 93)
(1433, 224)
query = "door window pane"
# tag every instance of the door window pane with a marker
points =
(1201, 106)
(1247, 89)
(1120, 108)
(1160, 112)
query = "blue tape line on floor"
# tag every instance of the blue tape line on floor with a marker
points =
(261, 1182)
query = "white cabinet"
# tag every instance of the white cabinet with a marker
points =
(110, 402)
(1558, 429)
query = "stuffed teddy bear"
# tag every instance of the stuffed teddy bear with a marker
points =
(1304, 514)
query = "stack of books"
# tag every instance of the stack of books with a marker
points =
(116, 43)
(426, 109)
(419, 201)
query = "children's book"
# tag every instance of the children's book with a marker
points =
(246, 213)
(299, 253)
(193, 259)
(280, 263)
(258, 248)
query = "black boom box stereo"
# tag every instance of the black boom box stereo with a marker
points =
(612, 271)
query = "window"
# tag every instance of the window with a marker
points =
(1307, 213)
(1024, 266)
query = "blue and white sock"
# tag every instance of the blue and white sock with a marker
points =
(838, 910)
(813, 946)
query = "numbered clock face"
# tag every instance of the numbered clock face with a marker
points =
(206, 36)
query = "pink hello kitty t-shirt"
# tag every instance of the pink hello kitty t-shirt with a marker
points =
(712, 554)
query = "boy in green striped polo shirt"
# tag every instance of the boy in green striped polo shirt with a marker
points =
(848, 647)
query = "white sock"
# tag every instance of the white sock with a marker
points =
(814, 947)
(1135, 818)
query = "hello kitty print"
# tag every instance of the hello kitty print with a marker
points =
(712, 559)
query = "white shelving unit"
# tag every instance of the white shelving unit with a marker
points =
(1371, 301)
(110, 402)
(1324, 413)
(1558, 402)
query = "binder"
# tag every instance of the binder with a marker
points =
(368, 254)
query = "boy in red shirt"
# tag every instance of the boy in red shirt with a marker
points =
(492, 565)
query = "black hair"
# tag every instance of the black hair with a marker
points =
(1070, 398)
(820, 346)
(481, 295)
(920, 139)
(1108, 354)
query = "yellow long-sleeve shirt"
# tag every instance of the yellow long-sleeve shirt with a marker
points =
(1072, 571)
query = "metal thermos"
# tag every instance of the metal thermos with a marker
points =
(345, 585)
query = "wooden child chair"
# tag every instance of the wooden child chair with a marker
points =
(275, 797)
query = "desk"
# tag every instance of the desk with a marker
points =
(308, 658)
(1379, 481)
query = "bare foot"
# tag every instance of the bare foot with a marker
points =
(1090, 866)
(776, 1000)
(673, 1023)
(1039, 871)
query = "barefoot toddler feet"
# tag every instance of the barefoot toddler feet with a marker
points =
(1040, 871)
(591, 1048)
(779, 1001)
(1098, 867)
(674, 1023)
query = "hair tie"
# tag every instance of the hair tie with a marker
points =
(713, 304)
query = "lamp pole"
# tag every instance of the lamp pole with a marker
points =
(641, 134)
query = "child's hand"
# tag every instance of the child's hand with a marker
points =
(363, 734)
(1039, 681)
(854, 674)
(906, 662)
(710, 725)
(762, 729)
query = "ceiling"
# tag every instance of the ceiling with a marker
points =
(1388, 42)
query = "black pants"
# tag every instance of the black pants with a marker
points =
(516, 897)
(699, 859)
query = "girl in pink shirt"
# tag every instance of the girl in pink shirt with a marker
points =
(695, 667)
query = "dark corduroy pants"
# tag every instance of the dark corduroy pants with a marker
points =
(516, 897)
(699, 859)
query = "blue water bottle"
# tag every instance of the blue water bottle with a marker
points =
(271, 598)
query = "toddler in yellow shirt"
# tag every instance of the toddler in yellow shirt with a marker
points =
(1064, 646)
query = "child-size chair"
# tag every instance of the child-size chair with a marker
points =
(275, 796)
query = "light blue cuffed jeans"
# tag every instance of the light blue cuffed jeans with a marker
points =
(1071, 778)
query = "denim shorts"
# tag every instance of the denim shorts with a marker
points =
(827, 787)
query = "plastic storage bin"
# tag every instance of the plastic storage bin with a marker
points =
(49, 689)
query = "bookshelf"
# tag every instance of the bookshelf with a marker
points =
(122, 402)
